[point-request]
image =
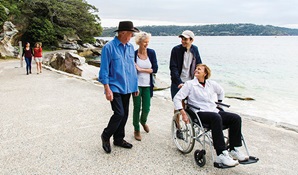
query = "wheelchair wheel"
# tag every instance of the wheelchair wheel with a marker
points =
(183, 134)
(200, 157)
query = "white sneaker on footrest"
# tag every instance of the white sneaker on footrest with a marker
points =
(237, 155)
(225, 159)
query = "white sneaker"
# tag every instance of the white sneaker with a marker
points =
(237, 155)
(225, 159)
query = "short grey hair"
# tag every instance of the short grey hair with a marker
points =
(139, 37)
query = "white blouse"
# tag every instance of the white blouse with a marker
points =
(200, 96)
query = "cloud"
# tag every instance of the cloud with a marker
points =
(263, 12)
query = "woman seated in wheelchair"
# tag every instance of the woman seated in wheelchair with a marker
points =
(200, 93)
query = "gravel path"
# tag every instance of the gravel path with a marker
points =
(51, 123)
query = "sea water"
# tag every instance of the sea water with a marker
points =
(263, 68)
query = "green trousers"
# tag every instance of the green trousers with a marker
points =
(141, 104)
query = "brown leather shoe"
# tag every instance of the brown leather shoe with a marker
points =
(146, 127)
(138, 135)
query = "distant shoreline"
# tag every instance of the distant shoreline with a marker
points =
(241, 29)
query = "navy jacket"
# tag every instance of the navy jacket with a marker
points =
(152, 57)
(176, 61)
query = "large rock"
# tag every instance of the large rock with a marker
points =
(85, 52)
(100, 43)
(89, 50)
(69, 62)
(6, 38)
(68, 45)
(69, 42)
(56, 61)
(94, 63)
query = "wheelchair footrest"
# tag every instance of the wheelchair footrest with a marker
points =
(250, 160)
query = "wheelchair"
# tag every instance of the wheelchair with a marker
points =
(185, 137)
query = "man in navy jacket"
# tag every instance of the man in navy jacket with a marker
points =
(184, 58)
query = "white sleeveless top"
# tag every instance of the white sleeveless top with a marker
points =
(144, 78)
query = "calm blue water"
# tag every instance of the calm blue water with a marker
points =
(262, 68)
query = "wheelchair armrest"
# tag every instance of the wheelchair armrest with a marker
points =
(222, 104)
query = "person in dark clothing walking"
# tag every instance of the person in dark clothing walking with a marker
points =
(27, 55)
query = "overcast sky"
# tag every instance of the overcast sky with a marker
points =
(283, 13)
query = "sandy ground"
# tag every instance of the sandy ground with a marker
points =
(51, 123)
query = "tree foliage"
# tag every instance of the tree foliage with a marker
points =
(42, 30)
(3, 15)
(51, 20)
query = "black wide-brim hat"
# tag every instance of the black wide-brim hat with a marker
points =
(126, 26)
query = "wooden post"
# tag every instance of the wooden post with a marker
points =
(21, 53)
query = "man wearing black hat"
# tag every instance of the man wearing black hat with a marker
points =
(119, 77)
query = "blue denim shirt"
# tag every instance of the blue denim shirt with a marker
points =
(117, 67)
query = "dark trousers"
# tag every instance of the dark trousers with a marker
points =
(28, 64)
(216, 122)
(116, 125)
